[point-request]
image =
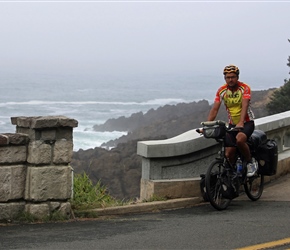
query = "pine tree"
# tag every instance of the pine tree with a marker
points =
(280, 101)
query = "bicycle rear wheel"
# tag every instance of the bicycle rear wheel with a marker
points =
(213, 185)
(254, 186)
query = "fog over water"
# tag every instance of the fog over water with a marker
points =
(95, 60)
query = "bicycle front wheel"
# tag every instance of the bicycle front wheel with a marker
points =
(254, 186)
(213, 185)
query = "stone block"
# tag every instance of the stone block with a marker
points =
(4, 139)
(39, 152)
(12, 182)
(146, 189)
(17, 138)
(13, 154)
(39, 211)
(48, 134)
(63, 208)
(22, 130)
(62, 152)
(46, 209)
(64, 121)
(64, 133)
(32, 133)
(21, 121)
(178, 188)
(11, 210)
(52, 122)
(39, 122)
(48, 183)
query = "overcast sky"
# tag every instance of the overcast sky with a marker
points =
(143, 37)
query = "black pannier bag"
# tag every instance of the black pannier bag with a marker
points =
(230, 186)
(258, 137)
(267, 155)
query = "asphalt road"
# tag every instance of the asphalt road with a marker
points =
(244, 223)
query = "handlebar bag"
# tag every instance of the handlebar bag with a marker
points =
(216, 131)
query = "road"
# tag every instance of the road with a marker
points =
(244, 223)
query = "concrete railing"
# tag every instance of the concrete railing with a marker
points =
(171, 168)
(35, 175)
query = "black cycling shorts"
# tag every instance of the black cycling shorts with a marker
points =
(230, 140)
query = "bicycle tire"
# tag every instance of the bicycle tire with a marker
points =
(254, 186)
(213, 185)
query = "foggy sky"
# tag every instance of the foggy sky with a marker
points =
(143, 37)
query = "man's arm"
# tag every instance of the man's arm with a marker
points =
(214, 110)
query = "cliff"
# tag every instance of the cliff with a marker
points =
(120, 168)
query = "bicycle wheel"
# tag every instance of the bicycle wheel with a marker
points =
(213, 185)
(254, 186)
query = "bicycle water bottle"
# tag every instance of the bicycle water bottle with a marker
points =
(239, 165)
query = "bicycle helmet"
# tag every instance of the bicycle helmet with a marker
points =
(231, 69)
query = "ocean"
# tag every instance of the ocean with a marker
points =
(93, 100)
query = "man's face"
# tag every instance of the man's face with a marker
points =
(231, 79)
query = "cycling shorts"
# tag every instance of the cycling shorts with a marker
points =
(230, 140)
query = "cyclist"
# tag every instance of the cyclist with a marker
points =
(236, 97)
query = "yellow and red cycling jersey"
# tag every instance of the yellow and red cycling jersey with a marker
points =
(233, 101)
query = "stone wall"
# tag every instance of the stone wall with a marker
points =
(35, 172)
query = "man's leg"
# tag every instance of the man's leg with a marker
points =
(242, 137)
(231, 154)
(243, 146)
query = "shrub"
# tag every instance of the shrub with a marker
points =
(87, 195)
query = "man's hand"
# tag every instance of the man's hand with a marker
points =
(240, 125)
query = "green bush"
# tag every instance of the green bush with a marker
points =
(279, 101)
(86, 195)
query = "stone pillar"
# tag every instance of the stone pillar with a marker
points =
(48, 186)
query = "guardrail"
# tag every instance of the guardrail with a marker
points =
(171, 168)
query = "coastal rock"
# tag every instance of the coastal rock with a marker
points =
(119, 169)
(137, 120)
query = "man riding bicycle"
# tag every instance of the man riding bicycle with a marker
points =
(236, 97)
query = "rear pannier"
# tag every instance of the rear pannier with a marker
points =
(258, 137)
(267, 154)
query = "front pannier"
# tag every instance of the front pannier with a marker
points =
(267, 154)
(216, 131)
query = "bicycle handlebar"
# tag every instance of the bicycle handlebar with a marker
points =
(235, 129)
(212, 123)
(218, 122)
